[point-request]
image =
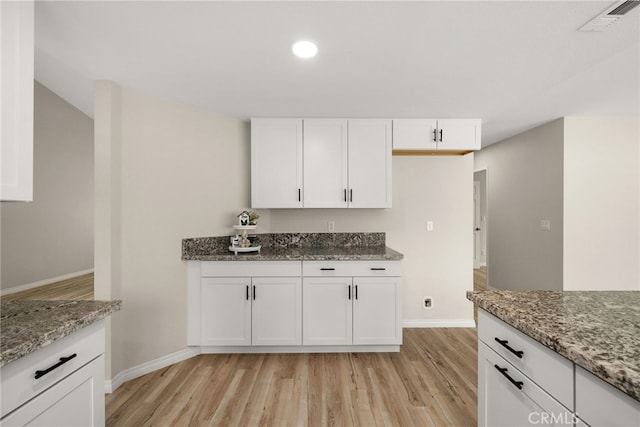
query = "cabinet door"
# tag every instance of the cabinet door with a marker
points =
(599, 403)
(276, 312)
(414, 134)
(276, 163)
(225, 308)
(458, 134)
(376, 310)
(369, 156)
(502, 403)
(16, 100)
(327, 311)
(78, 400)
(325, 163)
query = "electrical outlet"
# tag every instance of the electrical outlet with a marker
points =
(427, 303)
(331, 226)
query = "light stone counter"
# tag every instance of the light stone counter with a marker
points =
(598, 330)
(26, 326)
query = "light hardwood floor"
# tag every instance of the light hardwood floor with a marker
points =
(432, 381)
(80, 287)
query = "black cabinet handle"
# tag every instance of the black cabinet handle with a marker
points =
(506, 345)
(299, 195)
(62, 361)
(440, 135)
(254, 292)
(356, 291)
(351, 195)
(503, 371)
(349, 291)
(327, 269)
(247, 292)
(345, 194)
(434, 135)
(378, 268)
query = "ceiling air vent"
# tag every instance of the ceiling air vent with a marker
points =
(624, 7)
(613, 14)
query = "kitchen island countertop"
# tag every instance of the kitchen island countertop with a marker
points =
(597, 330)
(27, 325)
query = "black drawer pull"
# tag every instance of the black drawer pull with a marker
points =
(356, 292)
(506, 345)
(378, 268)
(62, 361)
(327, 269)
(503, 371)
(349, 291)
(254, 292)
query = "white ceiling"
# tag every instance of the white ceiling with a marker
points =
(514, 64)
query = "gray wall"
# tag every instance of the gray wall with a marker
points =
(524, 183)
(52, 236)
(582, 174)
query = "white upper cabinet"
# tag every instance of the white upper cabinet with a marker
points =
(455, 135)
(325, 164)
(16, 99)
(414, 134)
(320, 163)
(369, 163)
(276, 163)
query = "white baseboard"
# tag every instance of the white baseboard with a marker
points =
(26, 287)
(137, 371)
(438, 323)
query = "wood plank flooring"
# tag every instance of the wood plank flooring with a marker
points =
(79, 287)
(431, 382)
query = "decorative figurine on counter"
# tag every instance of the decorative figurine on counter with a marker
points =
(245, 242)
(246, 218)
(243, 218)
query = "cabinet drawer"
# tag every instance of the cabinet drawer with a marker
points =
(506, 397)
(250, 268)
(548, 369)
(599, 403)
(350, 268)
(18, 377)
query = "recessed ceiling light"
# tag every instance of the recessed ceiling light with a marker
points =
(304, 49)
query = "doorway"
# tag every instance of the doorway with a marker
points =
(480, 214)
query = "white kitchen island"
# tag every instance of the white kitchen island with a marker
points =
(558, 358)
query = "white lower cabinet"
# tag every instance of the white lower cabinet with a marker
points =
(250, 306)
(340, 309)
(251, 311)
(76, 401)
(523, 383)
(346, 311)
(61, 384)
(506, 397)
(601, 404)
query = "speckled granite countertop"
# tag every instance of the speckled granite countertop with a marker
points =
(26, 326)
(295, 246)
(598, 330)
(305, 254)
